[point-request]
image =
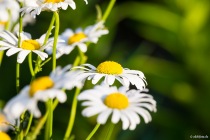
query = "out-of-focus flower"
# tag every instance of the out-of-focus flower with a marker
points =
(120, 104)
(3, 122)
(41, 89)
(9, 13)
(35, 7)
(79, 38)
(111, 71)
(27, 46)
(4, 136)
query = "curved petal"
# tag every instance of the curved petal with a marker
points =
(22, 55)
(115, 116)
(42, 55)
(96, 78)
(12, 51)
(102, 117)
(82, 47)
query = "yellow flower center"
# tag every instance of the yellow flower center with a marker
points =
(41, 83)
(2, 119)
(76, 38)
(53, 1)
(116, 101)
(3, 23)
(30, 45)
(4, 136)
(109, 67)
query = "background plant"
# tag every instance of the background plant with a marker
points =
(167, 40)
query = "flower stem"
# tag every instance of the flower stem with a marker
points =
(17, 77)
(72, 116)
(17, 64)
(29, 124)
(57, 24)
(110, 130)
(49, 124)
(49, 30)
(30, 64)
(41, 123)
(108, 10)
(1, 56)
(93, 131)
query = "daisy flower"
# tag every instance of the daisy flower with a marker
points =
(9, 13)
(112, 70)
(4, 136)
(120, 104)
(37, 6)
(41, 89)
(79, 38)
(28, 45)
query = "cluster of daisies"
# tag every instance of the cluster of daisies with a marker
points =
(104, 99)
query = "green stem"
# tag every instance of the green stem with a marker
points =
(38, 60)
(1, 56)
(41, 122)
(49, 124)
(17, 77)
(57, 25)
(30, 64)
(72, 116)
(108, 10)
(29, 124)
(110, 130)
(93, 131)
(49, 30)
(17, 64)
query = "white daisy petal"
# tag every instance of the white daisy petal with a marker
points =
(110, 79)
(116, 116)
(22, 55)
(82, 47)
(125, 121)
(12, 51)
(96, 78)
(91, 111)
(42, 55)
(144, 113)
(6, 44)
(41, 5)
(102, 117)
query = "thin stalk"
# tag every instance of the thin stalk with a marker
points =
(49, 30)
(1, 57)
(17, 64)
(38, 60)
(41, 122)
(29, 124)
(17, 77)
(72, 115)
(57, 25)
(108, 9)
(30, 64)
(93, 131)
(110, 130)
(49, 127)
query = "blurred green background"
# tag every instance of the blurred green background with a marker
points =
(169, 40)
